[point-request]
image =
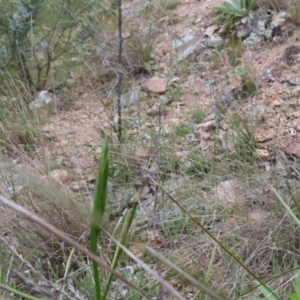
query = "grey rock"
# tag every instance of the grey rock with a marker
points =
(164, 100)
(184, 38)
(210, 30)
(211, 83)
(227, 99)
(214, 41)
(259, 20)
(243, 32)
(207, 126)
(131, 9)
(195, 45)
(279, 20)
(278, 39)
(253, 39)
(261, 24)
(187, 44)
(44, 98)
(259, 110)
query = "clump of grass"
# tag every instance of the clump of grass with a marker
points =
(247, 77)
(244, 141)
(199, 165)
(198, 115)
(215, 60)
(184, 68)
(235, 50)
(183, 130)
(294, 10)
(175, 92)
(169, 4)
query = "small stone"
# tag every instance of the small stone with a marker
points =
(207, 125)
(156, 85)
(164, 100)
(298, 125)
(98, 151)
(294, 149)
(180, 155)
(205, 136)
(262, 154)
(210, 117)
(201, 134)
(59, 175)
(91, 179)
(187, 44)
(151, 112)
(43, 98)
(257, 216)
(225, 126)
(175, 121)
(214, 41)
(276, 104)
(75, 186)
(286, 141)
(142, 155)
(228, 98)
(209, 31)
(261, 137)
(228, 192)
(138, 249)
(155, 238)
(63, 142)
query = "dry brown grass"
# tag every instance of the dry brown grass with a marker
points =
(51, 202)
(294, 10)
(277, 5)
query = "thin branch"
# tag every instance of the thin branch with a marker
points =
(156, 204)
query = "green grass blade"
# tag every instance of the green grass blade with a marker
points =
(188, 277)
(232, 255)
(119, 249)
(209, 272)
(289, 210)
(268, 293)
(98, 212)
(148, 269)
(17, 292)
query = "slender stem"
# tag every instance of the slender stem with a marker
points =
(120, 74)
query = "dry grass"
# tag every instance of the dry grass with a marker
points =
(51, 202)
(243, 214)
(294, 10)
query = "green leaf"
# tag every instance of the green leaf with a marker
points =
(268, 293)
(237, 8)
(288, 209)
(223, 9)
(98, 211)
(234, 4)
(293, 296)
(252, 5)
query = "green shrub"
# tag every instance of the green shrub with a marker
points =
(34, 34)
(237, 8)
